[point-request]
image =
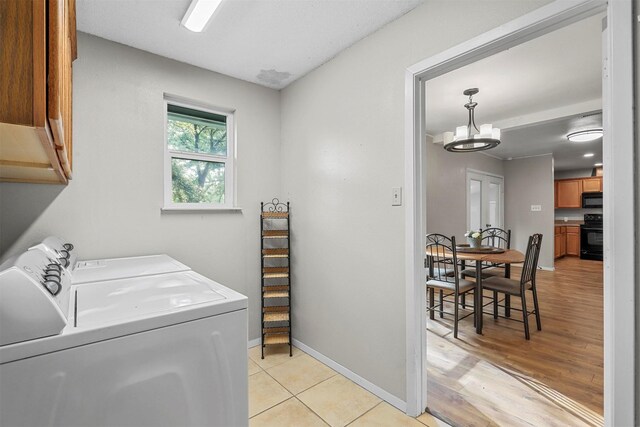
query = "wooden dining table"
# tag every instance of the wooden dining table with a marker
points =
(508, 257)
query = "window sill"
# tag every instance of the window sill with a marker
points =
(201, 210)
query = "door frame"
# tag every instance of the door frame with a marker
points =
(619, 225)
(491, 175)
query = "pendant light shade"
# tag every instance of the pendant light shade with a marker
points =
(469, 138)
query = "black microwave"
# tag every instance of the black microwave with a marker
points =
(592, 200)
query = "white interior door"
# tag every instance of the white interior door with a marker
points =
(485, 200)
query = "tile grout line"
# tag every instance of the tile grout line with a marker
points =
(300, 392)
(314, 412)
(364, 413)
(271, 407)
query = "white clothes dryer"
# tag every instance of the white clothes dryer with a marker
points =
(158, 350)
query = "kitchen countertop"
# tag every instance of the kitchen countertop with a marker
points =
(570, 223)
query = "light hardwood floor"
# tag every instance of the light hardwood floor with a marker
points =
(499, 378)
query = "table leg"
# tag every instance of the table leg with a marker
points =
(478, 297)
(507, 297)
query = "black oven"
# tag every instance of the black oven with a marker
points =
(591, 241)
(592, 200)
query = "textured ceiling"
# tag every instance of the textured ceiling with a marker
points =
(269, 42)
(558, 72)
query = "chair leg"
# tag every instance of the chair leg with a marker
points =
(441, 304)
(463, 300)
(495, 305)
(455, 315)
(535, 306)
(507, 305)
(474, 309)
(525, 315)
(431, 303)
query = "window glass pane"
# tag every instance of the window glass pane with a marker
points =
(196, 131)
(494, 205)
(195, 181)
(475, 207)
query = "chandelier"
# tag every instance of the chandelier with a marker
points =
(465, 139)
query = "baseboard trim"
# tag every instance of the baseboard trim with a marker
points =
(253, 343)
(367, 385)
(547, 268)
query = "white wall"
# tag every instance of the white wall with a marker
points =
(527, 182)
(342, 150)
(447, 187)
(112, 205)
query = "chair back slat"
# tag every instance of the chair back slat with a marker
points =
(440, 266)
(496, 237)
(531, 259)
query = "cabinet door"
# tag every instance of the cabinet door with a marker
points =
(570, 193)
(573, 241)
(557, 245)
(555, 194)
(591, 185)
(59, 79)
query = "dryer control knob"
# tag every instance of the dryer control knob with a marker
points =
(52, 286)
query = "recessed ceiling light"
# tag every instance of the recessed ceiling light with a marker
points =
(598, 164)
(588, 155)
(199, 14)
(585, 135)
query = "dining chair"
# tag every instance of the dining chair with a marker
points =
(442, 274)
(498, 238)
(520, 287)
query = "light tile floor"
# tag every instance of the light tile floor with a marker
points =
(300, 391)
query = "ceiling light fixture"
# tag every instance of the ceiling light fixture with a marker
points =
(199, 14)
(465, 140)
(588, 155)
(585, 135)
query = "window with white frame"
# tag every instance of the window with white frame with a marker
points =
(199, 157)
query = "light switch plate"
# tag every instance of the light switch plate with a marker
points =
(536, 208)
(396, 196)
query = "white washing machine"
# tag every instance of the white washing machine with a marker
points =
(156, 350)
(87, 271)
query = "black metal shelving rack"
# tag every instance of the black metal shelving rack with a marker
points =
(275, 251)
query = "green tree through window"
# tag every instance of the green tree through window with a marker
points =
(197, 143)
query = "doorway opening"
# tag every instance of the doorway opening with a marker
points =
(543, 21)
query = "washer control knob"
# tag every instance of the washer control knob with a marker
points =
(54, 266)
(53, 277)
(52, 273)
(52, 286)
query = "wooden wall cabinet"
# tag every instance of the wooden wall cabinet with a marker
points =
(569, 193)
(38, 48)
(592, 184)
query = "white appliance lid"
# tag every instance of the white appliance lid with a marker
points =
(116, 301)
(120, 268)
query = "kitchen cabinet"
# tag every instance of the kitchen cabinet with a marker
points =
(566, 240)
(557, 246)
(38, 48)
(592, 184)
(569, 193)
(573, 241)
